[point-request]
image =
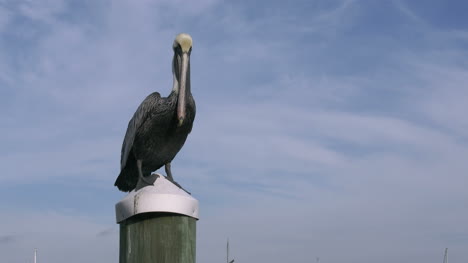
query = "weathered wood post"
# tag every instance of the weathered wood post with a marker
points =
(157, 224)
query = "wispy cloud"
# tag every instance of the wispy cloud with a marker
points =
(401, 5)
(107, 232)
(4, 18)
(7, 239)
(50, 232)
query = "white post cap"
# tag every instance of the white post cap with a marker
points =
(163, 196)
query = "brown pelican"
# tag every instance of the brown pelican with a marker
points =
(159, 127)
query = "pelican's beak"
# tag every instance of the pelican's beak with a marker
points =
(182, 89)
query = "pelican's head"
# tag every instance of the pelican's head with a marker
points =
(184, 42)
(182, 48)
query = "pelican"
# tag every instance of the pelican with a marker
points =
(160, 126)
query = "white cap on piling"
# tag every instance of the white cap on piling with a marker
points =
(163, 197)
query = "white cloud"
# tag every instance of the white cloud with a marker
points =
(44, 11)
(444, 98)
(86, 158)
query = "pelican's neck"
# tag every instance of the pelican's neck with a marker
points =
(175, 85)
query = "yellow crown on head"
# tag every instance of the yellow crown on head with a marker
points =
(184, 40)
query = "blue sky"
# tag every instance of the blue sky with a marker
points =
(331, 129)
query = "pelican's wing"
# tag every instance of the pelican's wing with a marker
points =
(140, 116)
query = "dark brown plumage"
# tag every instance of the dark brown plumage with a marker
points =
(159, 127)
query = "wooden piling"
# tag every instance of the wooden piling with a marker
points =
(158, 238)
(157, 225)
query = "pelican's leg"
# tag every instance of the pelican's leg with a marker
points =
(140, 173)
(167, 167)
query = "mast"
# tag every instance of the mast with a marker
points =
(446, 255)
(227, 253)
(35, 255)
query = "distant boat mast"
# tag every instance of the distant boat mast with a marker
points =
(35, 255)
(446, 256)
(227, 253)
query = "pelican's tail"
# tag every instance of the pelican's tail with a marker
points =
(124, 182)
(128, 177)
